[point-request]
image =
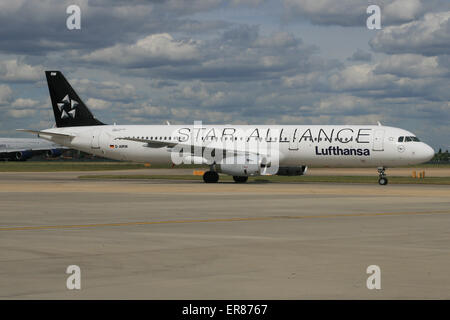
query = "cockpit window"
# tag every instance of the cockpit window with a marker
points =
(408, 139)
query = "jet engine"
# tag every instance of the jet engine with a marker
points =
(53, 153)
(23, 155)
(241, 166)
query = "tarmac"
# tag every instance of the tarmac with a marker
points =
(166, 239)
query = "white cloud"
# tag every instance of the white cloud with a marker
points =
(5, 94)
(278, 39)
(23, 113)
(153, 50)
(403, 10)
(360, 55)
(149, 110)
(98, 104)
(353, 12)
(343, 12)
(342, 103)
(394, 76)
(411, 65)
(187, 115)
(428, 36)
(166, 60)
(105, 90)
(359, 77)
(252, 3)
(302, 80)
(8, 7)
(24, 103)
(203, 95)
(17, 71)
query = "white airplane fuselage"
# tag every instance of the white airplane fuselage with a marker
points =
(298, 145)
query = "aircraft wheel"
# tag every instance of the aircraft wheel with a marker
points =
(383, 181)
(240, 179)
(210, 177)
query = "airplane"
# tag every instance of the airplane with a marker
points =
(20, 149)
(237, 150)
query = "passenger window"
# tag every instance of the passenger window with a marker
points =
(400, 139)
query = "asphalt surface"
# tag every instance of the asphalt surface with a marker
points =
(190, 240)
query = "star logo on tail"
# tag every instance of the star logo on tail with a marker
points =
(67, 107)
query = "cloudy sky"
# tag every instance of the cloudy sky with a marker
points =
(235, 61)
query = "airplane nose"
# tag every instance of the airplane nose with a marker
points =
(427, 152)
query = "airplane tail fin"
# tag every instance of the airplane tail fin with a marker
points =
(69, 109)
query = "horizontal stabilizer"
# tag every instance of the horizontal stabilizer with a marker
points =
(46, 133)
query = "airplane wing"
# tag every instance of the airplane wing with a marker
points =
(261, 153)
(212, 145)
(151, 143)
(33, 149)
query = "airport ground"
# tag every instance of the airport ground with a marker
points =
(170, 239)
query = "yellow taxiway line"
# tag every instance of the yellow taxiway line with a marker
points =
(137, 223)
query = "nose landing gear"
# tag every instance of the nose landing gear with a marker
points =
(382, 180)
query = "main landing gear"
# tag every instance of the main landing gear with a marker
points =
(382, 176)
(240, 179)
(210, 177)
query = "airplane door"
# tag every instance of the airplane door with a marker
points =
(293, 141)
(95, 142)
(378, 140)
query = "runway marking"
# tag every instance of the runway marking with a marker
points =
(137, 223)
